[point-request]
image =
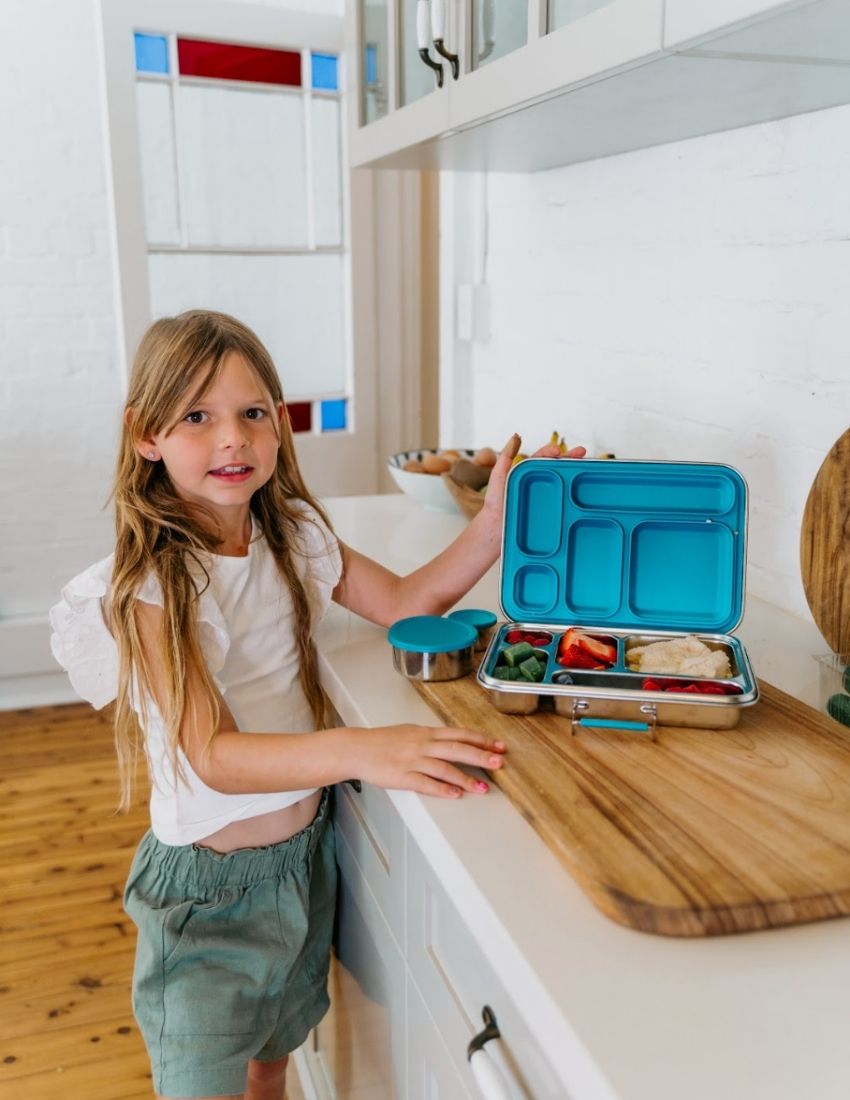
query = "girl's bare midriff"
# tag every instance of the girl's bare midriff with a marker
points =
(265, 829)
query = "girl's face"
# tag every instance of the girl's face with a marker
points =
(225, 445)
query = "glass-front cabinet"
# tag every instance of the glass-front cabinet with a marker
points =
(424, 69)
(374, 60)
(497, 28)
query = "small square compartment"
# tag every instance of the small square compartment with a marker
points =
(596, 635)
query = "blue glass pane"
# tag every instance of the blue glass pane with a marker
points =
(151, 53)
(371, 64)
(324, 71)
(333, 415)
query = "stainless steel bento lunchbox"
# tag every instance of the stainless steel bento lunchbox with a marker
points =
(622, 583)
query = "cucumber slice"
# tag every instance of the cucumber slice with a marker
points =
(532, 670)
(515, 654)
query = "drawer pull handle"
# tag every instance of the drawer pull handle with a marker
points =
(487, 1076)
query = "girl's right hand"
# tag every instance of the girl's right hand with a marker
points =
(424, 759)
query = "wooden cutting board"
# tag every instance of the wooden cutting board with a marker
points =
(825, 547)
(699, 833)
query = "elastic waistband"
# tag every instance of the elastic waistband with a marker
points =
(193, 865)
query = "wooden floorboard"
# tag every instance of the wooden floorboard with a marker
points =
(66, 945)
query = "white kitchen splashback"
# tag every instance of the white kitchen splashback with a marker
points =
(690, 301)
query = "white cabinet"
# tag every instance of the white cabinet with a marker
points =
(409, 982)
(548, 82)
(359, 1049)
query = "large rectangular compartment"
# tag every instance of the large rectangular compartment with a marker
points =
(627, 554)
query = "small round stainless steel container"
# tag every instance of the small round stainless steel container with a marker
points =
(429, 647)
(483, 621)
(450, 665)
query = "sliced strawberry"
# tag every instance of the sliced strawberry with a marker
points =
(602, 651)
(711, 688)
(569, 639)
(651, 685)
(575, 657)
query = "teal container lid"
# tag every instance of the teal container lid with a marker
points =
(431, 634)
(478, 617)
(634, 545)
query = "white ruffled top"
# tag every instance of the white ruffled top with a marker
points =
(248, 639)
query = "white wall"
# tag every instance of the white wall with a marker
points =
(60, 389)
(690, 301)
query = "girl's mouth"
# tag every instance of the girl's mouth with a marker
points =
(232, 474)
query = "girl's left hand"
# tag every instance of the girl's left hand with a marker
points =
(494, 499)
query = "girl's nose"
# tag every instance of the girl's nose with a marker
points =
(233, 434)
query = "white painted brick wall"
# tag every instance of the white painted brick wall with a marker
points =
(690, 301)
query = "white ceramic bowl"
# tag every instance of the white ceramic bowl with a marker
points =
(428, 489)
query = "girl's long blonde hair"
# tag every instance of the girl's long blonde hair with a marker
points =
(160, 534)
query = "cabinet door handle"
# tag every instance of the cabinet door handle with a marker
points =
(423, 38)
(488, 20)
(487, 1075)
(438, 33)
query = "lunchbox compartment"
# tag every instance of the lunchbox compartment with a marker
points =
(634, 641)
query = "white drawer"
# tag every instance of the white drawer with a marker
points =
(374, 832)
(456, 982)
(431, 1071)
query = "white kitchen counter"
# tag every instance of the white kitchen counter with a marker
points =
(760, 1016)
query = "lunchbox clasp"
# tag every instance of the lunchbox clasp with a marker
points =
(648, 726)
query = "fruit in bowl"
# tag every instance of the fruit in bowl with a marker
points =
(432, 476)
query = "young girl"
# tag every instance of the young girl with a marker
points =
(199, 626)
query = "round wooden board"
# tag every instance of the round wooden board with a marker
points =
(825, 547)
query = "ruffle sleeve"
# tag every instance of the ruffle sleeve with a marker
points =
(323, 559)
(83, 645)
(81, 641)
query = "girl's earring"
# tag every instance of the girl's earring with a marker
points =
(152, 455)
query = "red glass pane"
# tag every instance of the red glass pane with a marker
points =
(221, 59)
(300, 415)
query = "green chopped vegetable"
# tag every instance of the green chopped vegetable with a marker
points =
(542, 655)
(502, 672)
(514, 655)
(532, 670)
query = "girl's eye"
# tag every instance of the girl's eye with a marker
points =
(196, 417)
(255, 414)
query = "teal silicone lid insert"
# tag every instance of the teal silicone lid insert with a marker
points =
(431, 634)
(632, 545)
(475, 616)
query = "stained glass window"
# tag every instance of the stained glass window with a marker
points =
(244, 204)
(229, 62)
(324, 71)
(151, 53)
(333, 415)
(300, 416)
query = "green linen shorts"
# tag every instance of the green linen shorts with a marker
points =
(232, 954)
